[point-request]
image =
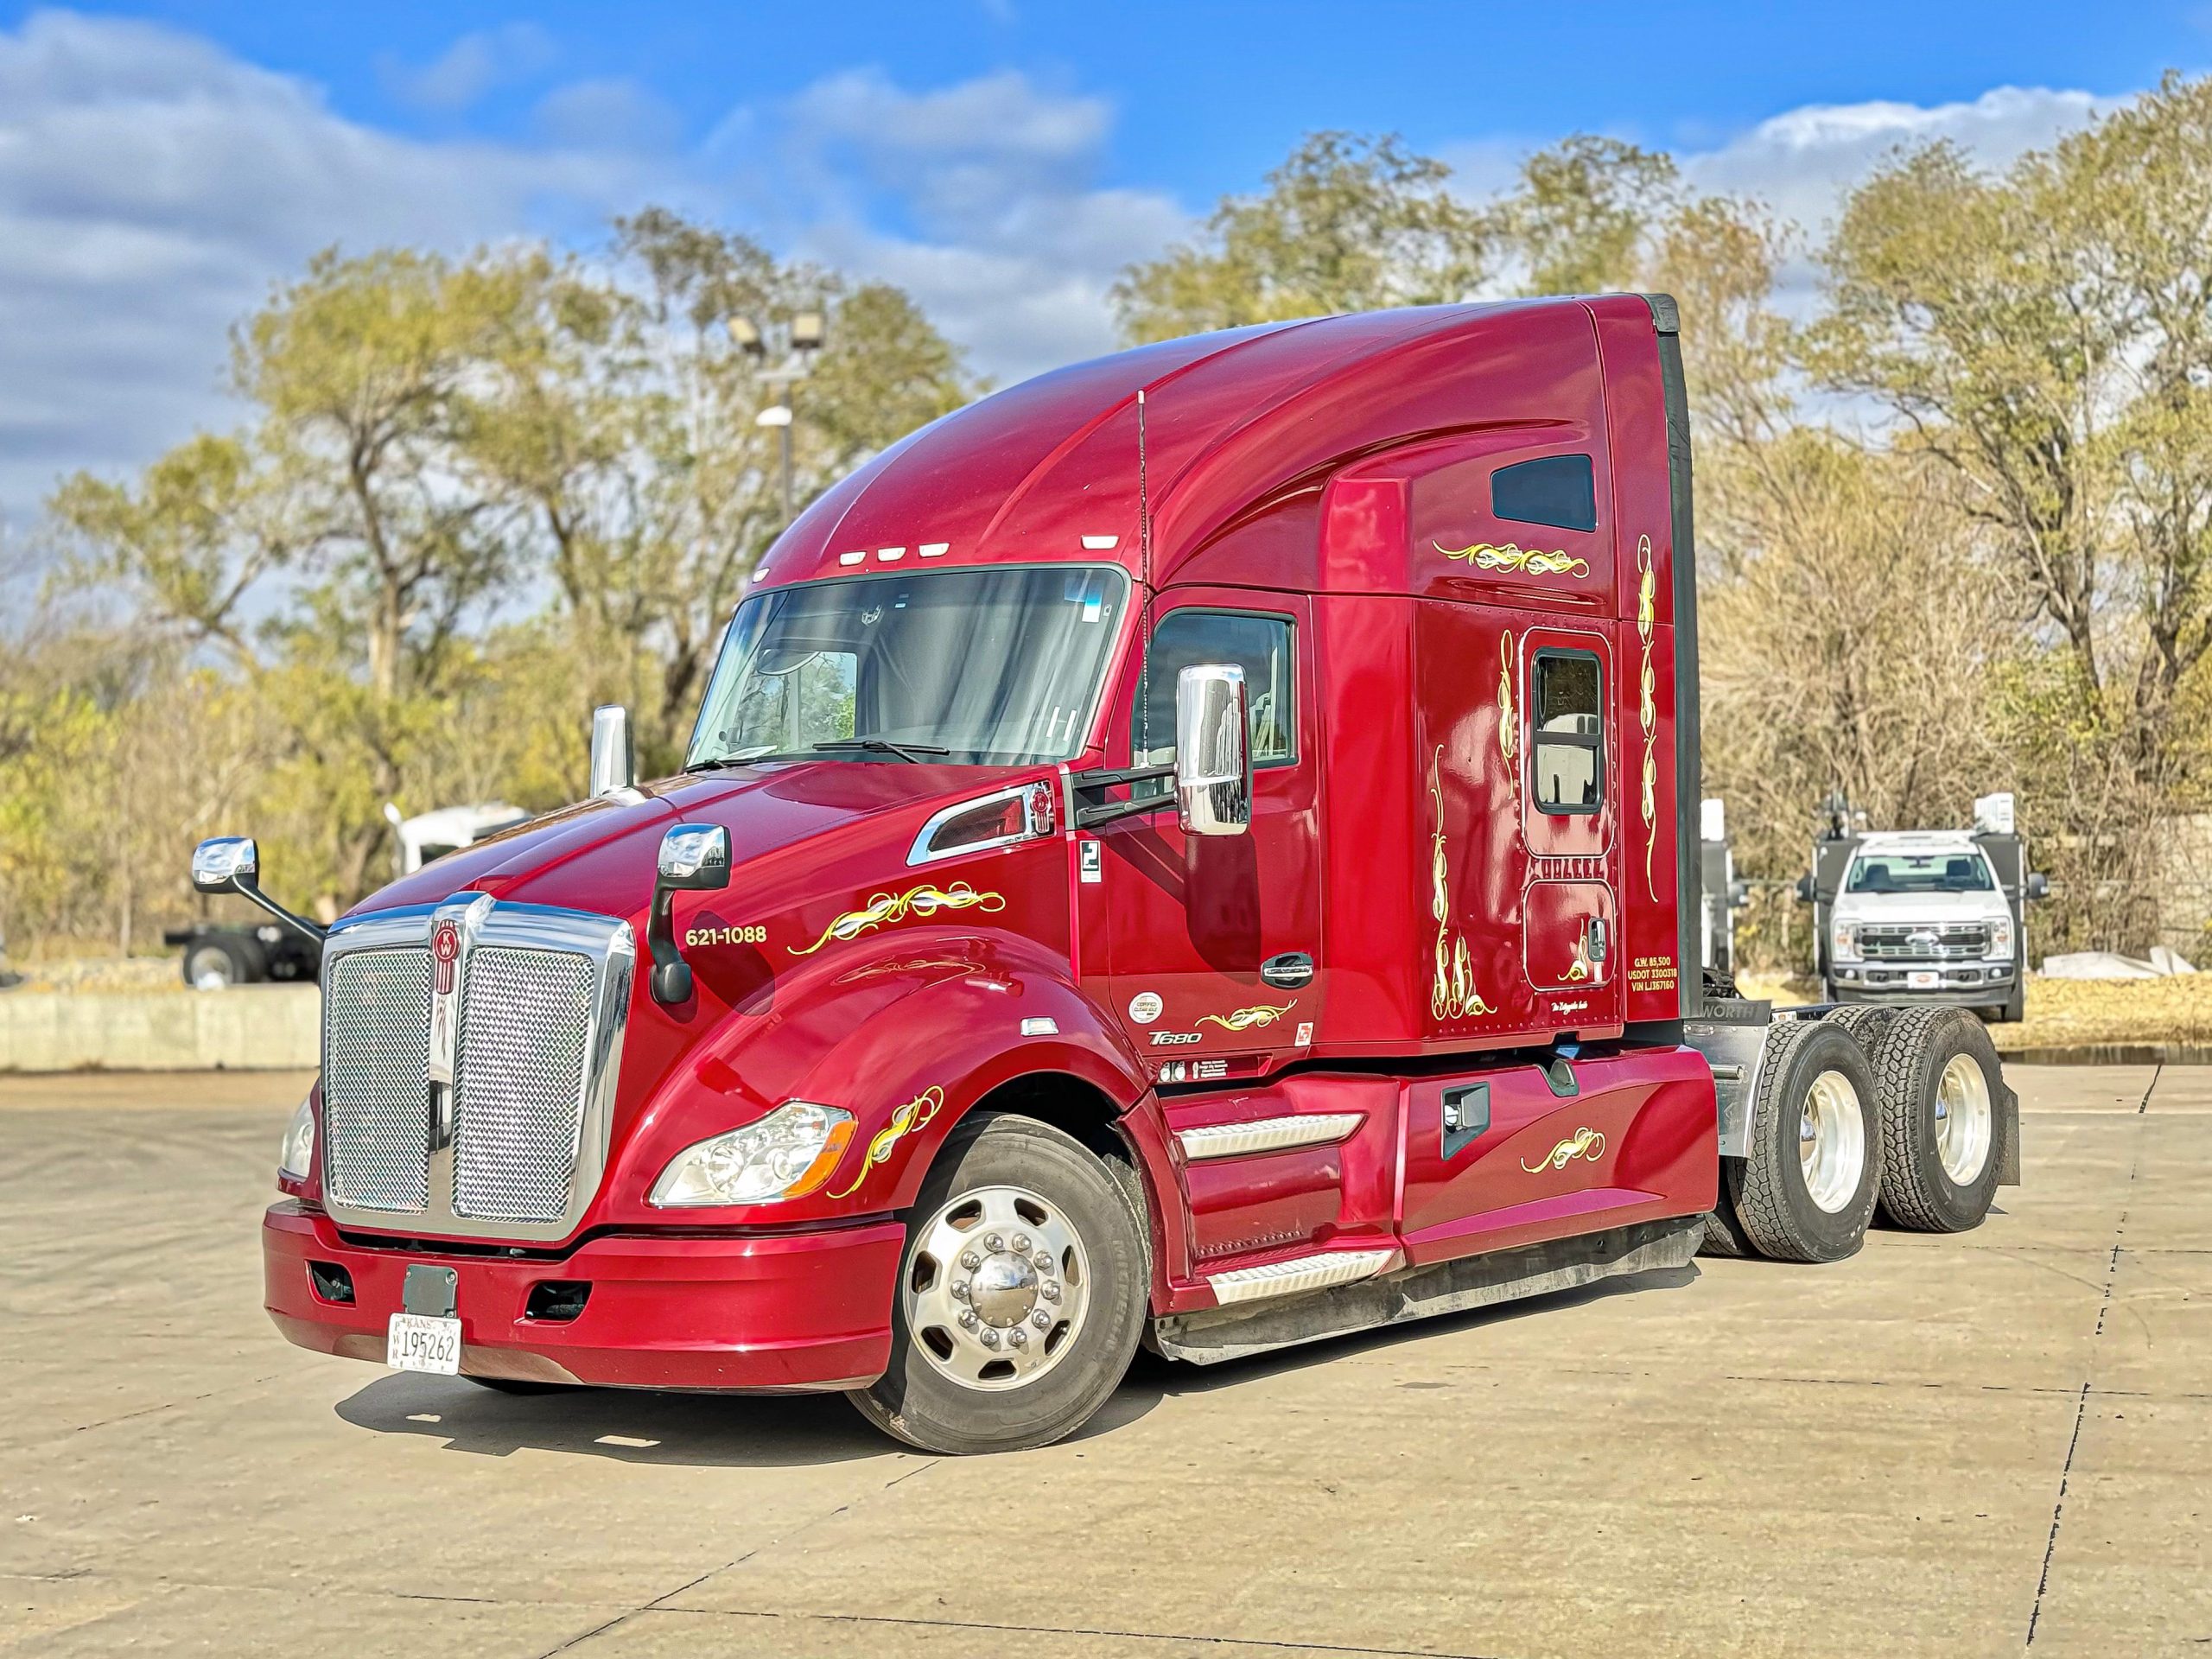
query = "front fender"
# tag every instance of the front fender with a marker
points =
(907, 1037)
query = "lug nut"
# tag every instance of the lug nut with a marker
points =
(1041, 1319)
(960, 1292)
(970, 1260)
(1018, 1337)
(1043, 1260)
(990, 1338)
(992, 1242)
(1021, 1243)
(968, 1319)
(1050, 1292)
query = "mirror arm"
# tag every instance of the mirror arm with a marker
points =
(671, 974)
(297, 924)
(1097, 812)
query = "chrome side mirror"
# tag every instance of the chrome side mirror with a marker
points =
(2039, 885)
(694, 858)
(614, 758)
(1213, 752)
(227, 864)
(232, 864)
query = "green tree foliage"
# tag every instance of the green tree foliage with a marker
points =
(1345, 224)
(476, 496)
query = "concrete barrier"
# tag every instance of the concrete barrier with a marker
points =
(254, 1027)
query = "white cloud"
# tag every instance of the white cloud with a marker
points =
(1005, 237)
(1801, 163)
(153, 186)
(470, 67)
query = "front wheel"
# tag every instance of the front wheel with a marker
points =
(1021, 1297)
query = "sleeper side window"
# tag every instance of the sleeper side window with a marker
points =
(1568, 750)
(1560, 491)
(1264, 647)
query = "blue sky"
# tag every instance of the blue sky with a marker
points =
(160, 164)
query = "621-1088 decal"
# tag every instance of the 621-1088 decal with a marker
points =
(698, 936)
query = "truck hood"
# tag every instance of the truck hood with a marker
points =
(1920, 907)
(601, 854)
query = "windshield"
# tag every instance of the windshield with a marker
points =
(981, 666)
(1920, 873)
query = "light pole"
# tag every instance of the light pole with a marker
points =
(801, 335)
(779, 416)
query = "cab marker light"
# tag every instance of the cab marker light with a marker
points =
(850, 558)
(1046, 1027)
(1100, 544)
(934, 549)
(890, 555)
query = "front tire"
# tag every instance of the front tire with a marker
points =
(1943, 1133)
(1807, 1190)
(1021, 1293)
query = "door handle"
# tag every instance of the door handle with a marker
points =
(1288, 971)
(1594, 930)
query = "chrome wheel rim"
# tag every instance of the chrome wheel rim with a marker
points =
(1832, 1141)
(996, 1287)
(1962, 1119)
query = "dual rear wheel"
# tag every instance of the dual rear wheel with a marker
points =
(1867, 1108)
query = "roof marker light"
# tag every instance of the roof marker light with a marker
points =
(850, 558)
(890, 555)
(934, 549)
(1100, 544)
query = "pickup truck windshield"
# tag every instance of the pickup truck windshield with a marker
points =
(980, 666)
(1920, 872)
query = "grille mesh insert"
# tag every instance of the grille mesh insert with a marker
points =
(375, 1070)
(525, 1026)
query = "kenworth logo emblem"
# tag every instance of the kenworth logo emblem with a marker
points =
(445, 947)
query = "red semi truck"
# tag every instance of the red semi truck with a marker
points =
(1200, 849)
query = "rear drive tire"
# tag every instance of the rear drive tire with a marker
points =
(1944, 1135)
(1806, 1191)
(1724, 1232)
(1020, 1297)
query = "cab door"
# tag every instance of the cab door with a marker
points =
(1215, 944)
(1570, 784)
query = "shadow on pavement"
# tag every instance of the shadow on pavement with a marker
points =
(780, 1431)
(628, 1425)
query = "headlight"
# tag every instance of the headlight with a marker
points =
(295, 1157)
(1846, 942)
(786, 1155)
(2000, 938)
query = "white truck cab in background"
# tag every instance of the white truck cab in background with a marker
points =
(1924, 915)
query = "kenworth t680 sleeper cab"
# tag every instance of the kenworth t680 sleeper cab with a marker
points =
(1198, 849)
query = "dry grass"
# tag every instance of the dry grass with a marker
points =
(2073, 1013)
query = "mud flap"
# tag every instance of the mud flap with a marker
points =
(2008, 1167)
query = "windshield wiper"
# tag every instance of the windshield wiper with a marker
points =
(759, 753)
(913, 752)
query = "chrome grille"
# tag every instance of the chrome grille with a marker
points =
(376, 1066)
(518, 1080)
(1902, 942)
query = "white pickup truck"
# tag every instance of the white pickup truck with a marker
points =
(1923, 916)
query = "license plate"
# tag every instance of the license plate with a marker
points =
(423, 1342)
(1923, 981)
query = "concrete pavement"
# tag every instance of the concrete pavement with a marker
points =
(1988, 1444)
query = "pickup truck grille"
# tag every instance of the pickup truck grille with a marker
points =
(538, 1001)
(1906, 942)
